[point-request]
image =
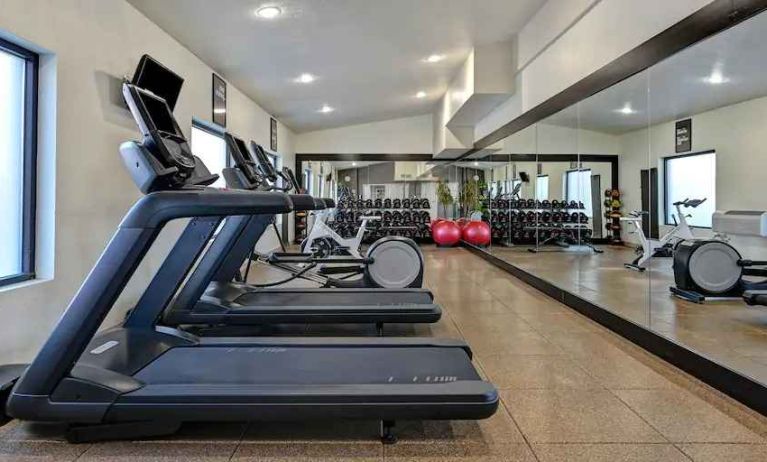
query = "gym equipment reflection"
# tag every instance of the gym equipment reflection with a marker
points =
(692, 223)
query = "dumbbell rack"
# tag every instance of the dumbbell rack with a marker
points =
(407, 222)
(523, 223)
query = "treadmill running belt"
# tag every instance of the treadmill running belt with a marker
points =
(332, 297)
(308, 366)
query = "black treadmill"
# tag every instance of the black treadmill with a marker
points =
(210, 295)
(132, 382)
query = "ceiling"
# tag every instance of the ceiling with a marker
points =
(677, 87)
(367, 55)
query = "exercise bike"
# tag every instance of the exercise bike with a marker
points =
(713, 270)
(390, 262)
(663, 247)
(324, 241)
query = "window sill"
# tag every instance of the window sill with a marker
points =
(22, 284)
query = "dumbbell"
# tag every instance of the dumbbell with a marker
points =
(405, 203)
(387, 203)
(583, 218)
(396, 203)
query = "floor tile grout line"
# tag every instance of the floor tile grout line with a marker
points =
(519, 429)
(684, 453)
(609, 391)
(684, 381)
(80, 456)
(243, 432)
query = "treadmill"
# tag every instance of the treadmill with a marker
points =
(141, 381)
(211, 296)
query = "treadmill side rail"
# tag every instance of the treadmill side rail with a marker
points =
(113, 270)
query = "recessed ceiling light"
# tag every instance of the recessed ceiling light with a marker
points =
(420, 94)
(305, 78)
(626, 110)
(326, 109)
(476, 163)
(268, 12)
(354, 164)
(716, 78)
(219, 111)
(434, 58)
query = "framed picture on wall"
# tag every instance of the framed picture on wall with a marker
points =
(273, 133)
(683, 135)
(219, 101)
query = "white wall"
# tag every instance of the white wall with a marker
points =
(737, 134)
(543, 138)
(89, 45)
(553, 19)
(409, 135)
(601, 33)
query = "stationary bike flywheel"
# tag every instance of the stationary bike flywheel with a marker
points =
(714, 267)
(397, 263)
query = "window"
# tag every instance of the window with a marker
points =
(18, 150)
(308, 182)
(578, 188)
(321, 183)
(208, 144)
(691, 176)
(542, 187)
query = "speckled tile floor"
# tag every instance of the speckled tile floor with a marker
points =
(728, 332)
(571, 391)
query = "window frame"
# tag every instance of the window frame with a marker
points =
(309, 180)
(29, 188)
(665, 182)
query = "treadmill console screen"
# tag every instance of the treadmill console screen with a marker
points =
(263, 162)
(160, 114)
(242, 160)
(158, 79)
(160, 130)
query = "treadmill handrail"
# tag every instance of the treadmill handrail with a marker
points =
(157, 208)
(117, 264)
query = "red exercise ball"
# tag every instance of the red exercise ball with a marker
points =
(477, 233)
(445, 233)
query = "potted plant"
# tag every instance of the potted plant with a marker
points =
(444, 196)
(470, 197)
